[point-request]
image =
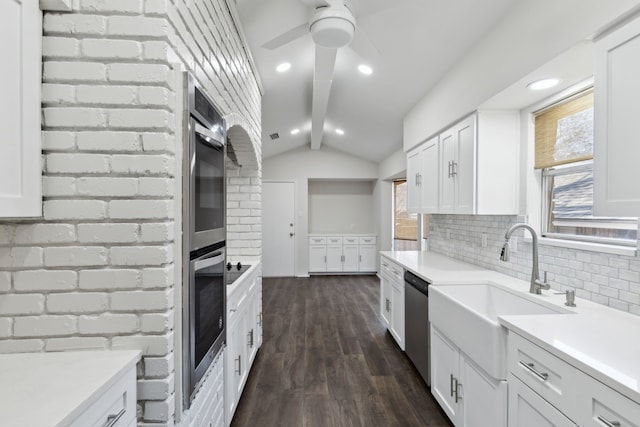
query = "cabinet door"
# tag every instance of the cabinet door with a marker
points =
(334, 258)
(385, 299)
(367, 258)
(317, 258)
(616, 124)
(350, 258)
(464, 166)
(397, 312)
(528, 409)
(20, 112)
(414, 167)
(258, 314)
(446, 195)
(234, 366)
(444, 374)
(429, 177)
(485, 398)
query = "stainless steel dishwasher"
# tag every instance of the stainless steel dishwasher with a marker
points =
(416, 323)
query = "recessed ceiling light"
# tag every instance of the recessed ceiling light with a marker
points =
(295, 131)
(285, 66)
(339, 131)
(365, 69)
(543, 84)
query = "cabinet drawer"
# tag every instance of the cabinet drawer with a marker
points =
(392, 270)
(334, 240)
(371, 240)
(601, 406)
(547, 375)
(320, 240)
(235, 303)
(117, 405)
(349, 240)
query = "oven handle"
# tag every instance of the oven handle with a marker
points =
(210, 136)
(216, 258)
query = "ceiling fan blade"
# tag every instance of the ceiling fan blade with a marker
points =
(364, 47)
(287, 37)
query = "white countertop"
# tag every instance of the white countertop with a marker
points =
(255, 265)
(50, 389)
(598, 340)
(342, 234)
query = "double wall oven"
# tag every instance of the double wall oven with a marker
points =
(203, 230)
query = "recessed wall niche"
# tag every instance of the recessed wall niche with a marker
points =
(341, 207)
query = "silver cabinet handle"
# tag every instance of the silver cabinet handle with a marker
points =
(458, 397)
(530, 367)
(113, 419)
(325, 258)
(454, 166)
(608, 423)
(451, 384)
(260, 319)
(449, 170)
(360, 258)
(239, 370)
(250, 339)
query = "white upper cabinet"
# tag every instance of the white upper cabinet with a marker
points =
(470, 168)
(20, 79)
(616, 124)
(422, 178)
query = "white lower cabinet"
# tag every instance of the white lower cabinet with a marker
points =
(392, 299)
(244, 337)
(544, 386)
(528, 409)
(342, 254)
(467, 394)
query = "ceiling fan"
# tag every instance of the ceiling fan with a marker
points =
(332, 25)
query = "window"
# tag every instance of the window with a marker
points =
(564, 153)
(405, 224)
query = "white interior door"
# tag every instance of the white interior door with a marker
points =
(278, 229)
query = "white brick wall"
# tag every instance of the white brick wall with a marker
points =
(97, 271)
(612, 280)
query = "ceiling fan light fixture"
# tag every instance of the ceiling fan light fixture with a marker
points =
(332, 27)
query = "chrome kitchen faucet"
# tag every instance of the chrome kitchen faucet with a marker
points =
(537, 285)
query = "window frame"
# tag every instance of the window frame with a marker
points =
(532, 183)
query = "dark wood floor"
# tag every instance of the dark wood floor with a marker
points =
(327, 360)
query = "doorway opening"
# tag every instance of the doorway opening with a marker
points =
(410, 230)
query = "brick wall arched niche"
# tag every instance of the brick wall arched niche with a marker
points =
(244, 192)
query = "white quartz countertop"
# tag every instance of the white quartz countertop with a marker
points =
(253, 269)
(52, 389)
(598, 340)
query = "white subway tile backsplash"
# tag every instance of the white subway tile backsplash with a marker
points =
(604, 278)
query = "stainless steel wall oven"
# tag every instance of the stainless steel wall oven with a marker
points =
(206, 158)
(203, 231)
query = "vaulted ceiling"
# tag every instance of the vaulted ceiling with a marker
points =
(409, 44)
